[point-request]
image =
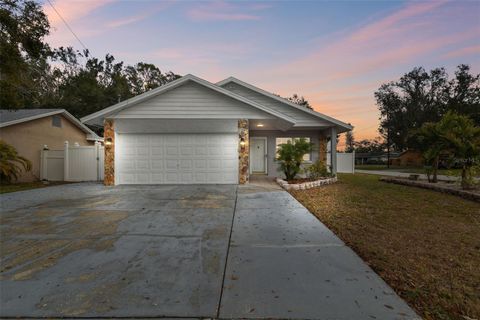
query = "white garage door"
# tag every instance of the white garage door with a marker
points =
(176, 158)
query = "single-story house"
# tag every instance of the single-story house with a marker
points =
(194, 131)
(374, 157)
(31, 130)
(408, 158)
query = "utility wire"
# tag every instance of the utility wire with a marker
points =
(68, 26)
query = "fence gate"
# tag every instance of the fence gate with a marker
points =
(73, 163)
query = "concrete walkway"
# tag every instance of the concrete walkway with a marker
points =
(284, 263)
(404, 174)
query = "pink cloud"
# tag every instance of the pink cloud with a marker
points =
(392, 21)
(72, 10)
(467, 51)
(222, 11)
(138, 17)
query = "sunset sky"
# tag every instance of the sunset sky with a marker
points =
(335, 53)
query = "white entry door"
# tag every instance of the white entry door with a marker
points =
(258, 155)
(176, 158)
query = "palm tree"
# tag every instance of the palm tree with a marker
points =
(11, 164)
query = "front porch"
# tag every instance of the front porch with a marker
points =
(264, 136)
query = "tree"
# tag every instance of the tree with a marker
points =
(290, 156)
(462, 138)
(83, 84)
(454, 135)
(464, 94)
(33, 75)
(370, 146)
(11, 164)
(22, 51)
(406, 104)
(349, 141)
(301, 101)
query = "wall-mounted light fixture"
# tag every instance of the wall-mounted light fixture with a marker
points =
(242, 143)
(108, 142)
(260, 125)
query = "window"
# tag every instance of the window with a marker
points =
(57, 121)
(282, 140)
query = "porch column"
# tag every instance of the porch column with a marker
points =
(322, 149)
(333, 149)
(243, 151)
(109, 142)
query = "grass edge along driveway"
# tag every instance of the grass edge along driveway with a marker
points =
(424, 244)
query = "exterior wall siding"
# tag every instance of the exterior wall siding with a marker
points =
(271, 135)
(29, 138)
(192, 101)
(304, 119)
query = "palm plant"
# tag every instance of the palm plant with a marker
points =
(463, 141)
(290, 156)
(11, 164)
(432, 145)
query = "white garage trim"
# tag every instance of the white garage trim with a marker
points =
(176, 158)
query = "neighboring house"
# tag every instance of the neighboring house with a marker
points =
(193, 131)
(408, 158)
(29, 130)
(374, 157)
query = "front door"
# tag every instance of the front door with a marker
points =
(258, 155)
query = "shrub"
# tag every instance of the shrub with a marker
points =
(11, 164)
(290, 156)
(317, 170)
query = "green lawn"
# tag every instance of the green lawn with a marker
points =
(424, 244)
(448, 172)
(13, 187)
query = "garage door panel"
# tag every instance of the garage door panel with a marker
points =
(157, 178)
(181, 158)
(157, 164)
(171, 177)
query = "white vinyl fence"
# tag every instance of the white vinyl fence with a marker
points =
(73, 163)
(345, 162)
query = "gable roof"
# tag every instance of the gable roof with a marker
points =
(174, 84)
(286, 102)
(12, 117)
(7, 116)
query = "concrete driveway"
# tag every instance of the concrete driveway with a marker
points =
(83, 250)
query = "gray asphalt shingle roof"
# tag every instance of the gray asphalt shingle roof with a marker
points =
(12, 115)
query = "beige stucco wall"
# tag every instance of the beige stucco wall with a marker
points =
(30, 137)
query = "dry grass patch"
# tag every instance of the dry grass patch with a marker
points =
(424, 244)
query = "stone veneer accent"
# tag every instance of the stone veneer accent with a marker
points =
(109, 173)
(322, 149)
(243, 153)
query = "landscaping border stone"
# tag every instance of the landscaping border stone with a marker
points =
(433, 186)
(305, 185)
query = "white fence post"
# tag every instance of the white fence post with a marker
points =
(43, 163)
(66, 175)
(96, 159)
(353, 161)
